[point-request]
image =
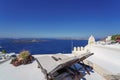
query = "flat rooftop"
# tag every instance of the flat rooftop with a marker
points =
(106, 57)
(31, 72)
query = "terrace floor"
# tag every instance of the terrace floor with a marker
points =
(31, 72)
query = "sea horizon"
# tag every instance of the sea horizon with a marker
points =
(40, 45)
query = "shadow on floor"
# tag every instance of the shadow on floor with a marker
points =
(75, 72)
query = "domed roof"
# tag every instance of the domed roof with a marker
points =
(91, 40)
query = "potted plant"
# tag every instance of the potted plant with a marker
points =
(4, 52)
(24, 57)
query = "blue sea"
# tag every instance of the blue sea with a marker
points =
(48, 46)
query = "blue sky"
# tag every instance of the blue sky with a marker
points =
(59, 18)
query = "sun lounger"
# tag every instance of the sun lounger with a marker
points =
(51, 64)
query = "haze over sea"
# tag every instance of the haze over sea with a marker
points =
(56, 19)
(47, 46)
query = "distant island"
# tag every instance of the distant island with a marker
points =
(67, 38)
(28, 40)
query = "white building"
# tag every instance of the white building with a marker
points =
(91, 40)
(108, 38)
(81, 49)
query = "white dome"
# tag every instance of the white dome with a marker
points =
(91, 40)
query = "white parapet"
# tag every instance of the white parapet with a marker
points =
(82, 48)
(79, 50)
(75, 49)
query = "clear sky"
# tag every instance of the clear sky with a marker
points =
(59, 18)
